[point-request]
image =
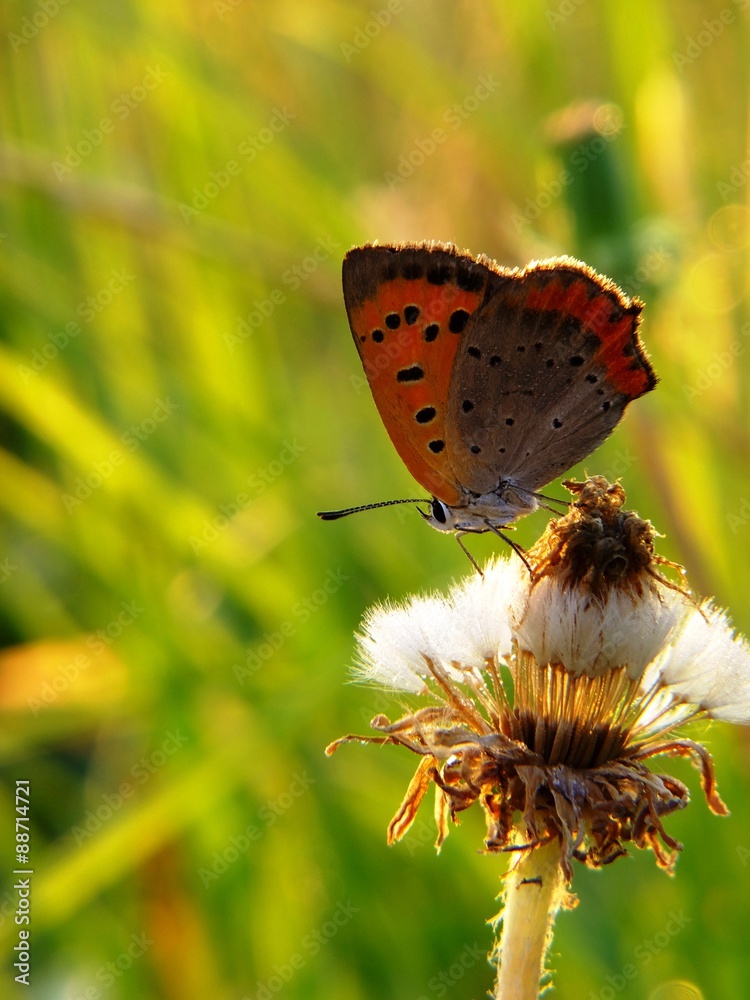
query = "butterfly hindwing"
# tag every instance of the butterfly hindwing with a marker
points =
(543, 374)
(408, 307)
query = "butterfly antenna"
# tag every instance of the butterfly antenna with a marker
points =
(334, 515)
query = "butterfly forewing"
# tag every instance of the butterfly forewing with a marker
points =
(408, 307)
(542, 375)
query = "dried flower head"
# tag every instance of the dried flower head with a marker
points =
(551, 688)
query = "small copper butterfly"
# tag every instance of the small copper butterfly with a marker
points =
(491, 381)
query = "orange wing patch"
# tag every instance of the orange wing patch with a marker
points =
(407, 336)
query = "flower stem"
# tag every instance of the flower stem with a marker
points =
(534, 891)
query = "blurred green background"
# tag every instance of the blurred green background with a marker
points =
(179, 394)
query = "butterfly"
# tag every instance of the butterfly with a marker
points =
(491, 381)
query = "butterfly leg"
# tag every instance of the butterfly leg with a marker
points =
(470, 557)
(545, 506)
(514, 545)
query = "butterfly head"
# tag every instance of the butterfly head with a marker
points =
(440, 516)
(488, 512)
(443, 517)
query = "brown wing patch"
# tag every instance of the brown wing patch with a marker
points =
(549, 364)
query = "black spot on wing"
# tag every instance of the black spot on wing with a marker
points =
(439, 274)
(413, 374)
(413, 271)
(469, 279)
(458, 320)
(425, 415)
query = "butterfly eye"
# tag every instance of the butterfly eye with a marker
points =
(438, 511)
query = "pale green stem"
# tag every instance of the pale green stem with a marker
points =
(534, 891)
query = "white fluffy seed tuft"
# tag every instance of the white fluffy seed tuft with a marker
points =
(586, 635)
(459, 633)
(708, 665)
(691, 654)
(482, 605)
